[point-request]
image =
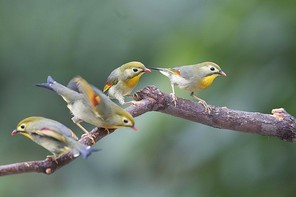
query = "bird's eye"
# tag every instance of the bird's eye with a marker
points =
(22, 126)
(212, 68)
(125, 121)
(135, 70)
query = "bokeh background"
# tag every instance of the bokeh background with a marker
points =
(253, 41)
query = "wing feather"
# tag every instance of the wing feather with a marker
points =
(111, 80)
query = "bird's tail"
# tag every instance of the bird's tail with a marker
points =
(83, 150)
(48, 84)
(166, 71)
(88, 151)
(68, 94)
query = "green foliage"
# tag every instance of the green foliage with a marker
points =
(253, 42)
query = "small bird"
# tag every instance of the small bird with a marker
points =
(123, 79)
(192, 78)
(53, 136)
(90, 105)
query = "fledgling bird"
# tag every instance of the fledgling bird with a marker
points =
(123, 79)
(53, 136)
(90, 105)
(192, 78)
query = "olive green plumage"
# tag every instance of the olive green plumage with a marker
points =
(90, 105)
(123, 79)
(192, 78)
(53, 136)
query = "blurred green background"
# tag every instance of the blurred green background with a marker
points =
(253, 41)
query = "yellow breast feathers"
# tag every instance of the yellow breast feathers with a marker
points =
(132, 82)
(207, 81)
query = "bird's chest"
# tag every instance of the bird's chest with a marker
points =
(206, 81)
(132, 82)
(124, 87)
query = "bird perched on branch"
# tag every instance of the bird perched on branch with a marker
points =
(90, 105)
(122, 80)
(192, 78)
(53, 136)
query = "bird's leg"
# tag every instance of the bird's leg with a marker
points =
(173, 95)
(120, 99)
(201, 101)
(108, 132)
(86, 133)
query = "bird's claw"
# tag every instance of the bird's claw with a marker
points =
(90, 136)
(201, 101)
(107, 130)
(174, 98)
(206, 106)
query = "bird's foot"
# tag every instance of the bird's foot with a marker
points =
(203, 102)
(206, 106)
(90, 136)
(174, 98)
(107, 130)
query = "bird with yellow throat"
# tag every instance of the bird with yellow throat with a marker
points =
(123, 80)
(192, 78)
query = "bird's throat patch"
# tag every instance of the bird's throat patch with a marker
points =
(207, 81)
(132, 82)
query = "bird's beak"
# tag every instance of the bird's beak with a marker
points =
(14, 132)
(135, 128)
(223, 74)
(147, 70)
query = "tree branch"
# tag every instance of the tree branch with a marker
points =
(278, 124)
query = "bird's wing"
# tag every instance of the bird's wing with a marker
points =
(73, 85)
(46, 132)
(185, 71)
(111, 80)
(88, 91)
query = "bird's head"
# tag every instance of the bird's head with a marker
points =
(210, 68)
(133, 69)
(123, 119)
(24, 127)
